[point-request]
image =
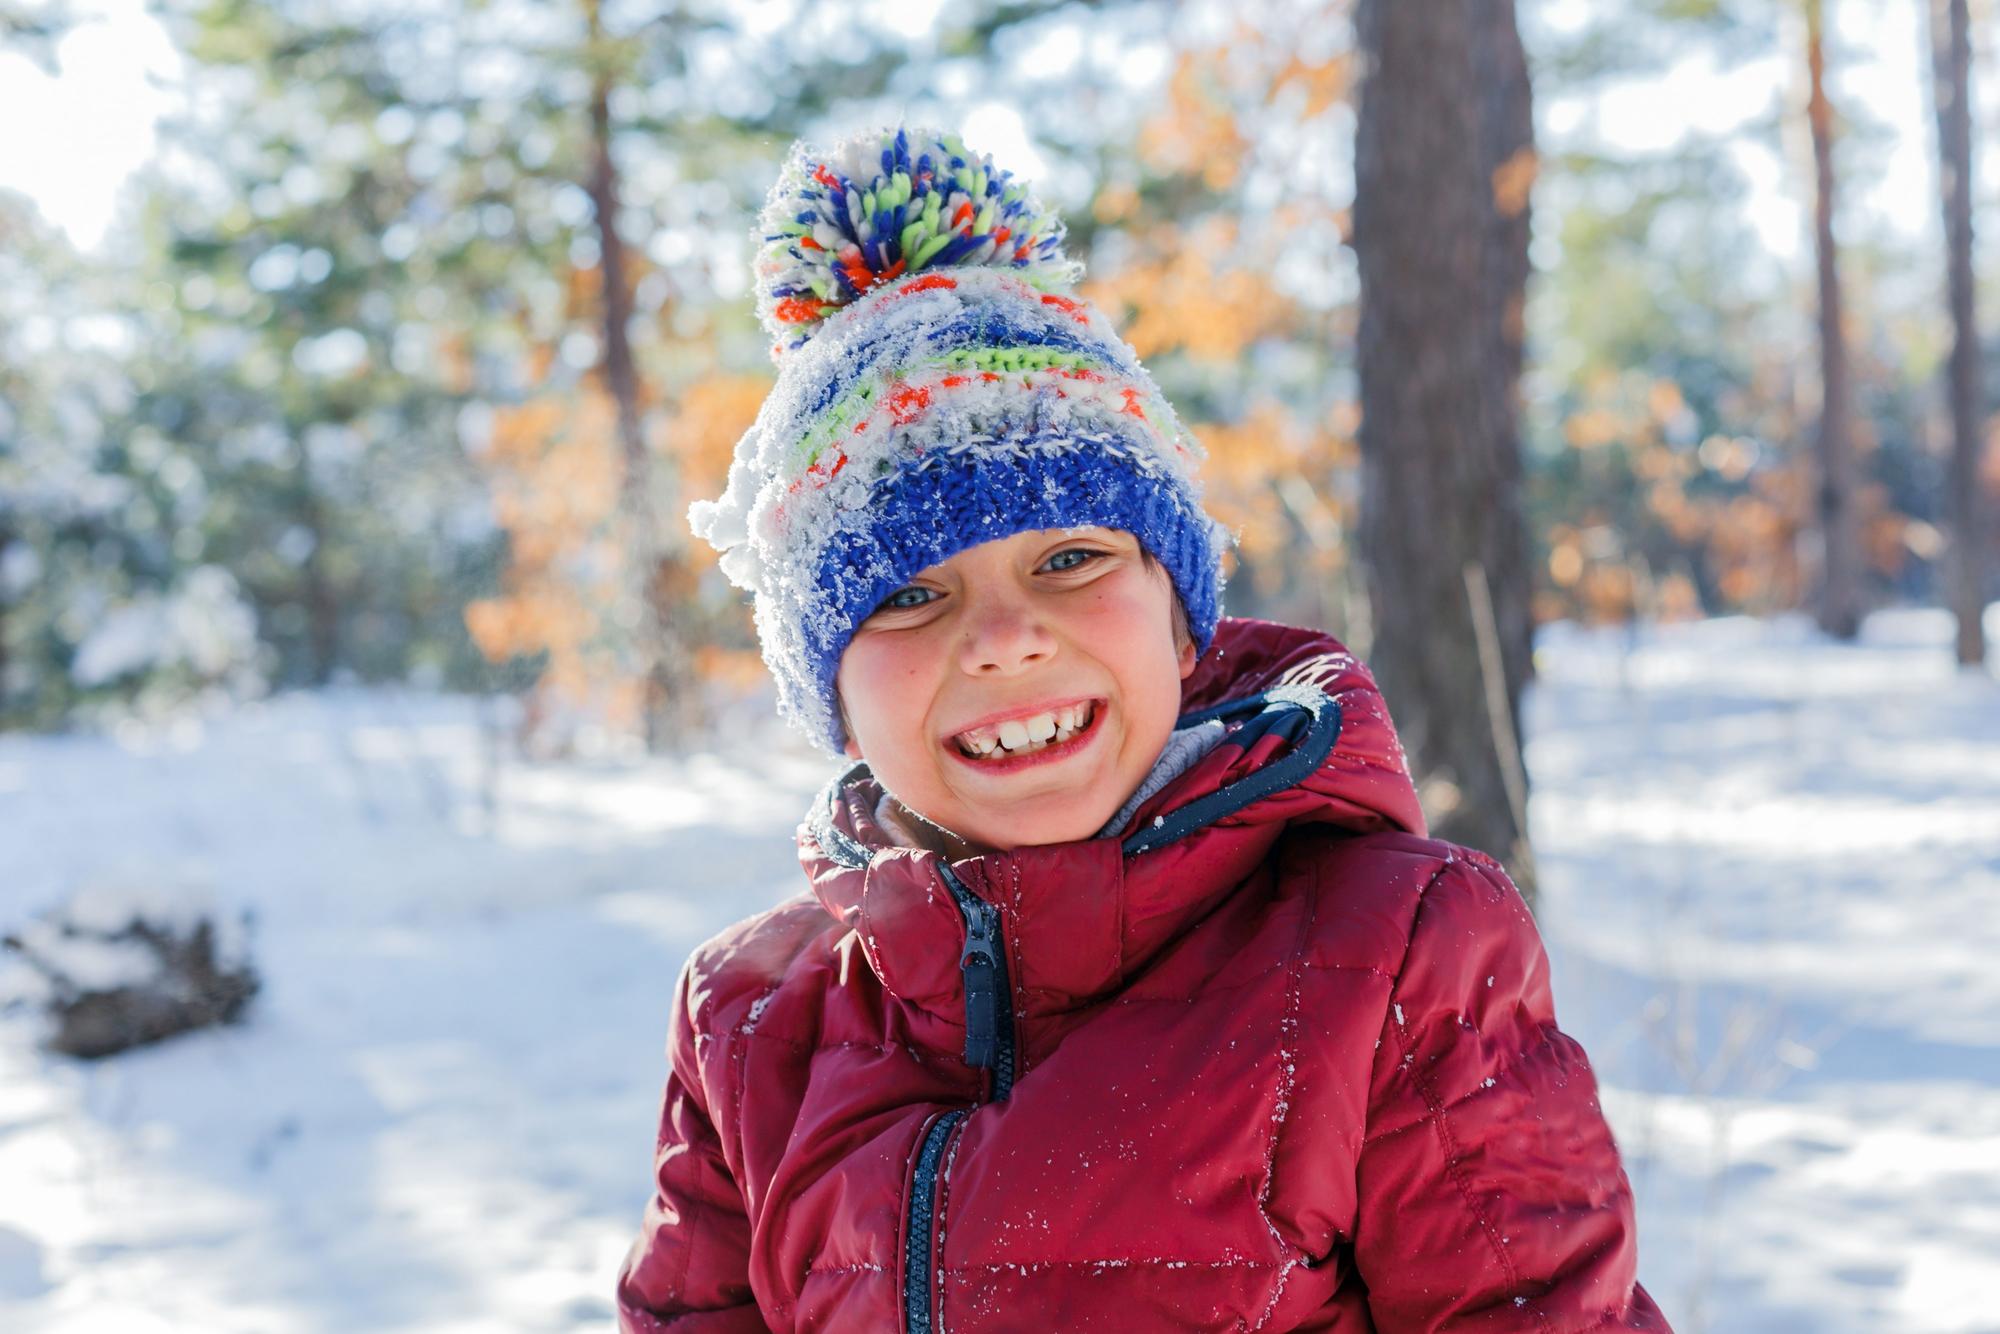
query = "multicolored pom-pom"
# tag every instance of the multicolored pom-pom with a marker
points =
(886, 204)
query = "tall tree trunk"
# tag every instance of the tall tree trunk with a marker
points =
(1511, 163)
(1443, 154)
(1839, 606)
(658, 580)
(322, 604)
(6, 540)
(1951, 54)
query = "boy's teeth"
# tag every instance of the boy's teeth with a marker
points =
(1018, 735)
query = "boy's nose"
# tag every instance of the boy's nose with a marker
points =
(1004, 638)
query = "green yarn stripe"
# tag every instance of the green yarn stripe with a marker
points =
(857, 402)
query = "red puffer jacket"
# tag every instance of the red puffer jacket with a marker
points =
(1269, 1060)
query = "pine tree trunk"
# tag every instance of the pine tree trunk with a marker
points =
(6, 540)
(1951, 52)
(1839, 607)
(1443, 152)
(322, 604)
(1511, 165)
(670, 702)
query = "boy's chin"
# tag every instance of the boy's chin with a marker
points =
(1059, 817)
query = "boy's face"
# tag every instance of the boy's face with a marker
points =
(1041, 623)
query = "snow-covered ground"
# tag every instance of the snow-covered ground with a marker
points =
(1769, 867)
(1772, 874)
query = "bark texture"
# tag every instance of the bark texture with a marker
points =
(1444, 157)
(660, 578)
(1839, 602)
(1951, 52)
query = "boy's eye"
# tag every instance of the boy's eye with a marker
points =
(905, 598)
(1084, 556)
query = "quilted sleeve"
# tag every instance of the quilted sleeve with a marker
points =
(687, 1271)
(1491, 1193)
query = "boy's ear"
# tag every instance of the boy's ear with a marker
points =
(852, 750)
(1188, 658)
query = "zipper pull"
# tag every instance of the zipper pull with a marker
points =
(980, 962)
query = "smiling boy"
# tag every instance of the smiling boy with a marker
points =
(1127, 993)
(1021, 690)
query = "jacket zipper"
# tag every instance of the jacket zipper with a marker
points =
(989, 1045)
(989, 1019)
(917, 1247)
(989, 999)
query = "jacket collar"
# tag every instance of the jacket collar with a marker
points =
(1308, 740)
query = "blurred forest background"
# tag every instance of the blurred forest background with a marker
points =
(422, 325)
(1631, 349)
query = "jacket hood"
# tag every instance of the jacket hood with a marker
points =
(1308, 740)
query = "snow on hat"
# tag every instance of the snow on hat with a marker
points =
(939, 385)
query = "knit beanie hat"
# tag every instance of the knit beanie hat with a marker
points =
(939, 385)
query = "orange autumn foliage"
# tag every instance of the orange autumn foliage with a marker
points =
(1266, 480)
(1200, 130)
(1196, 132)
(1322, 83)
(1178, 298)
(1513, 180)
(554, 469)
(710, 416)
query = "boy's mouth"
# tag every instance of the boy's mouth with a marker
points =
(1027, 735)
